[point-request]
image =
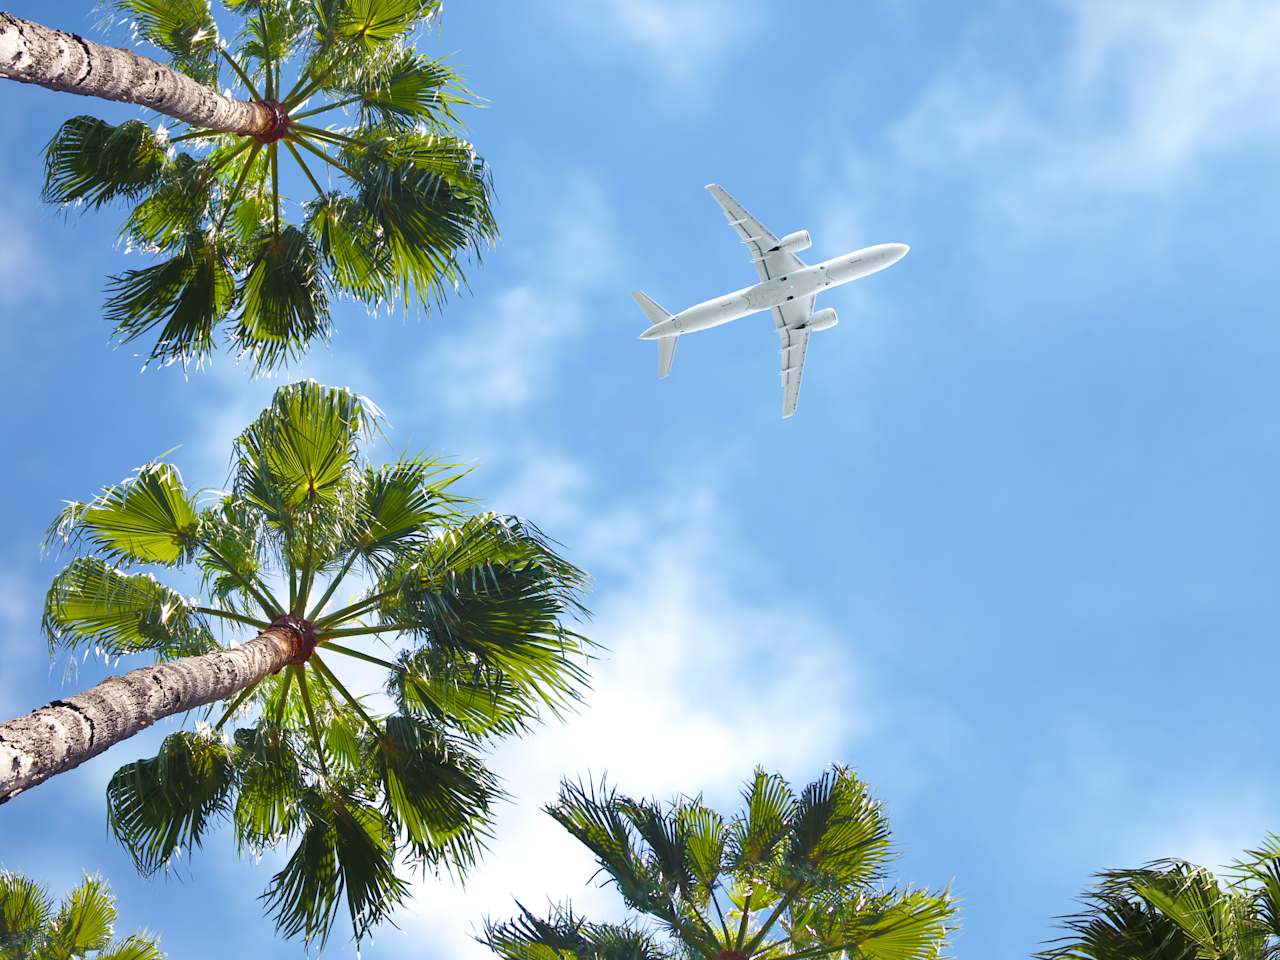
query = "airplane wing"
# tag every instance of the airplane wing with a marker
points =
(771, 263)
(793, 338)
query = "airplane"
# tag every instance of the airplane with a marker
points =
(787, 287)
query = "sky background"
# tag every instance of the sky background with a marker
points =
(1013, 559)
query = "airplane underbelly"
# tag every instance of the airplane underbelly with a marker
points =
(772, 293)
(714, 312)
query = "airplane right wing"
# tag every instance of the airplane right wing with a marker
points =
(769, 261)
(793, 338)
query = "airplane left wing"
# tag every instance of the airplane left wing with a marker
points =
(793, 338)
(769, 261)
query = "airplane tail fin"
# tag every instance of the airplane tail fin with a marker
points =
(666, 345)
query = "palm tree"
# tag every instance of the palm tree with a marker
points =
(1175, 910)
(787, 878)
(471, 606)
(394, 201)
(82, 926)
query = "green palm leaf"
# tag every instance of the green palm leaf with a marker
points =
(357, 262)
(346, 847)
(436, 792)
(92, 604)
(92, 162)
(300, 448)
(161, 806)
(179, 299)
(272, 786)
(452, 688)
(82, 926)
(374, 21)
(149, 518)
(283, 306)
(85, 921)
(25, 910)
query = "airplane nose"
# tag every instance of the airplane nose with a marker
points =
(897, 251)
(652, 333)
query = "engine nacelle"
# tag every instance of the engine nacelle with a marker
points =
(795, 242)
(822, 320)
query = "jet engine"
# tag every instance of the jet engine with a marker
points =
(795, 242)
(822, 320)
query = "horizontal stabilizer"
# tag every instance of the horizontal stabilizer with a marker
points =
(666, 353)
(651, 310)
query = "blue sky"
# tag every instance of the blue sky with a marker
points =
(1014, 557)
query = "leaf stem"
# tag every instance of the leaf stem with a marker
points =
(350, 611)
(311, 716)
(328, 106)
(333, 584)
(275, 192)
(244, 695)
(326, 158)
(368, 658)
(229, 615)
(337, 685)
(305, 169)
(264, 600)
(365, 631)
(240, 72)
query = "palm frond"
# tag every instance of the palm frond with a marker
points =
(346, 848)
(457, 691)
(437, 792)
(134, 947)
(358, 263)
(85, 920)
(268, 806)
(755, 838)
(430, 203)
(283, 306)
(176, 209)
(148, 518)
(184, 297)
(92, 604)
(158, 807)
(299, 448)
(25, 910)
(407, 90)
(370, 22)
(92, 162)
(839, 834)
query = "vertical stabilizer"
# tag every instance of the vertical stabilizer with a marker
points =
(666, 345)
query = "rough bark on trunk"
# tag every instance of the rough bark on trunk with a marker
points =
(32, 53)
(69, 731)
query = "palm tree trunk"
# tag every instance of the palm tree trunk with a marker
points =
(68, 732)
(32, 53)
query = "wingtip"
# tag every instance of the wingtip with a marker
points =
(713, 187)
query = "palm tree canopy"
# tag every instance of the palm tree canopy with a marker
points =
(786, 878)
(393, 200)
(471, 610)
(82, 926)
(1175, 910)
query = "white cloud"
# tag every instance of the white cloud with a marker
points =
(505, 357)
(703, 679)
(1143, 92)
(680, 40)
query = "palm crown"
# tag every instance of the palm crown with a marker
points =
(476, 602)
(1175, 910)
(788, 877)
(393, 201)
(82, 926)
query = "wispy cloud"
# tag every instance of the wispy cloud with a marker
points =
(1142, 93)
(701, 680)
(679, 40)
(506, 357)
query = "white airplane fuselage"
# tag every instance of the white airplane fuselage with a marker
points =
(768, 294)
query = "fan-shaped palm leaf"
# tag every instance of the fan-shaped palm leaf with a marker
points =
(30, 929)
